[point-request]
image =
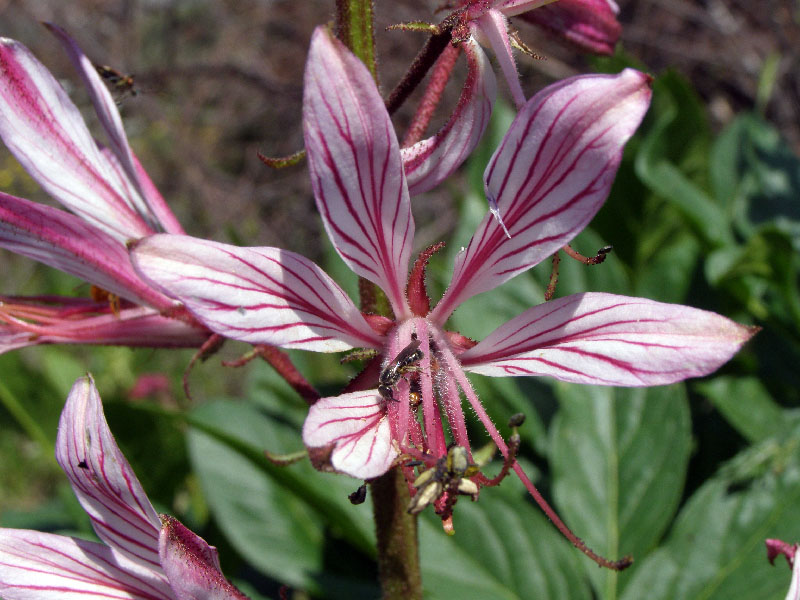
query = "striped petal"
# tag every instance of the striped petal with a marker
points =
(257, 295)
(109, 117)
(45, 132)
(191, 565)
(43, 566)
(493, 27)
(356, 170)
(24, 324)
(606, 339)
(429, 162)
(357, 428)
(104, 482)
(67, 243)
(549, 177)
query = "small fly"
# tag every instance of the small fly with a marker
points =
(402, 363)
(119, 82)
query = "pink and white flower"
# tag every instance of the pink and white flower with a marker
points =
(548, 178)
(111, 199)
(590, 24)
(143, 555)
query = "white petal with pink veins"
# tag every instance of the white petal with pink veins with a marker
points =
(257, 295)
(66, 242)
(192, 566)
(46, 133)
(428, 162)
(357, 426)
(549, 177)
(102, 479)
(107, 112)
(43, 566)
(606, 339)
(356, 170)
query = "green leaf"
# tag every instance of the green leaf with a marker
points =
(746, 405)
(716, 548)
(619, 459)
(279, 518)
(503, 548)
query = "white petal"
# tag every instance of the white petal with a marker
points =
(257, 295)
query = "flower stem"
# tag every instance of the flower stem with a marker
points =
(355, 28)
(396, 531)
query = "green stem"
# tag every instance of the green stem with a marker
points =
(355, 27)
(396, 530)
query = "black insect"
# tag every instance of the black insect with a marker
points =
(402, 363)
(118, 81)
(83, 465)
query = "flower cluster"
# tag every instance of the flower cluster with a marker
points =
(157, 286)
(111, 199)
(550, 175)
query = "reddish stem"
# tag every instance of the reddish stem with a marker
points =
(433, 94)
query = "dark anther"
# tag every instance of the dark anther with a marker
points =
(359, 495)
(516, 420)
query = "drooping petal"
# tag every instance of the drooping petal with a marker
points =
(109, 117)
(591, 25)
(45, 132)
(24, 324)
(429, 162)
(257, 295)
(356, 170)
(103, 481)
(357, 428)
(607, 339)
(549, 177)
(43, 566)
(66, 242)
(191, 565)
(494, 27)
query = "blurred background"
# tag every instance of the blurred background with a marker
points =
(216, 82)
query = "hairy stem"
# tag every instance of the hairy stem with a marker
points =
(396, 530)
(355, 27)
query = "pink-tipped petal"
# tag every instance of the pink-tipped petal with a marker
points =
(494, 27)
(549, 177)
(191, 565)
(102, 479)
(109, 117)
(257, 295)
(45, 132)
(429, 162)
(66, 242)
(606, 339)
(356, 170)
(43, 566)
(357, 427)
(591, 25)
